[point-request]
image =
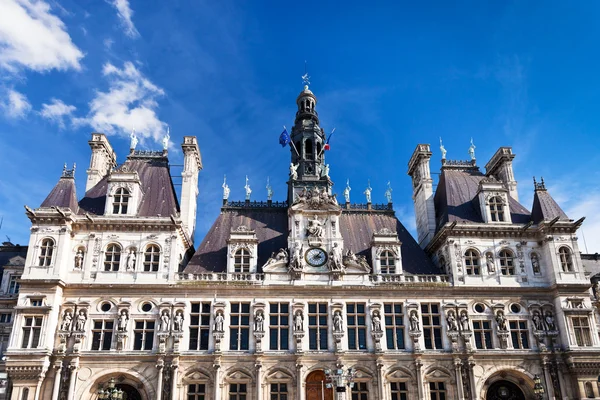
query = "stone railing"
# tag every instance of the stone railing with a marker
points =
(401, 278)
(254, 278)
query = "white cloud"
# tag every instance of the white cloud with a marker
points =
(124, 12)
(32, 37)
(130, 102)
(15, 104)
(56, 111)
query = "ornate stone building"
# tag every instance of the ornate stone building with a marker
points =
(491, 302)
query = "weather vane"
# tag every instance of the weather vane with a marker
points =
(305, 77)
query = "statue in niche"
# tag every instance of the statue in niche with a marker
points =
(501, 321)
(79, 259)
(81, 319)
(414, 322)
(165, 321)
(535, 263)
(315, 228)
(123, 319)
(367, 192)
(67, 321)
(338, 323)
(376, 322)
(464, 321)
(298, 321)
(178, 322)
(336, 258)
(549, 319)
(226, 189)
(347, 190)
(259, 322)
(537, 321)
(443, 150)
(131, 260)
(472, 150)
(451, 320)
(596, 290)
(491, 266)
(219, 320)
(293, 171)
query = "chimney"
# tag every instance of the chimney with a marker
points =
(192, 164)
(500, 167)
(102, 161)
(418, 169)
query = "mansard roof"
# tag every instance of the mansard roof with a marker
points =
(63, 195)
(271, 227)
(545, 207)
(455, 198)
(158, 192)
(12, 255)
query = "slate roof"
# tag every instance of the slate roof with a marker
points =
(10, 251)
(271, 227)
(455, 199)
(158, 196)
(545, 208)
(62, 195)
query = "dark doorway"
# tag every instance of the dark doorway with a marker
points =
(315, 387)
(504, 390)
(129, 392)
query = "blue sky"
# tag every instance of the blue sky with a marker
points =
(387, 76)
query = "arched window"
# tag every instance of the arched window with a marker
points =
(497, 209)
(112, 257)
(472, 262)
(25, 394)
(566, 262)
(46, 251)
(120, 201)
(241, 262)
(151, 258)
(387, 262)
(308, 148)
(507, 262)
(589, 390)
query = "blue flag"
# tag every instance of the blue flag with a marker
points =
(284, 138)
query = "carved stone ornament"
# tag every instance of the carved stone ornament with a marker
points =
(242, 228)
(315, 198)
(236, 246)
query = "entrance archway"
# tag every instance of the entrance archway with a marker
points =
(315, 387)
(129, 392)
(504, 390)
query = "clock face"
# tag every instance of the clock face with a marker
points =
(315, 257)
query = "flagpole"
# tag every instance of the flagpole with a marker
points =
(292, 143)
(323, 149)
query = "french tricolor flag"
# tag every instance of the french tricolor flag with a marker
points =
(327, 146)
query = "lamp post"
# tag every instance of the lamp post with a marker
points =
(338, 379)
(109, 391)
(538, 389)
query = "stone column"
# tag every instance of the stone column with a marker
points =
(418, 367)
(547, 379)
(56, 388)
(174, 377)
(258, 367)
(73, 366)
(218, 383)
(159, 379)
(380, 379)
(460, 391)
(299, 372)
(471, 370)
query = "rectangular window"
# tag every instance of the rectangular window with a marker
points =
(357, 330)
(432, 326)
(519, 334)
(102, 333)
(360, 391)
(32, 328)
(317, 326)
(279, 323)
(483, 334)
(399, 390)
(196, 391)
(5, 318)
(394, 325)
(36, 302)
(239, 326)
(143, 335)
(581, 327)
(199, 326)
(237, 391)
(279, 391)
(13, 284)
(437, 390)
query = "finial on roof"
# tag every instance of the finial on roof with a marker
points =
(305, 77)
(442, 149)
(68, 173)
(472, 150)
(539, 185)
(165, 141)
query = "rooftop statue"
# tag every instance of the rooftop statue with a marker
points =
(226, 189)
(347, 191)
(134, 140)
(166, 138)
(248, 190)
(367, 192)
(388, 193)
(443, 150)
(269, 190)
(472, 150)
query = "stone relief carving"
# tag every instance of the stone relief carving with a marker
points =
(315, 198)
(315, 228)
(280, 257)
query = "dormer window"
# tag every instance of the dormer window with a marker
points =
(46, 251)
(151, 258)
(496, 209)
(566, 262)
(121, 201)
(387, 262)
(112, 257)
(241, 261)
(472, 262)
(507, 262)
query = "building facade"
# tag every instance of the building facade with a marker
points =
(491, 301)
